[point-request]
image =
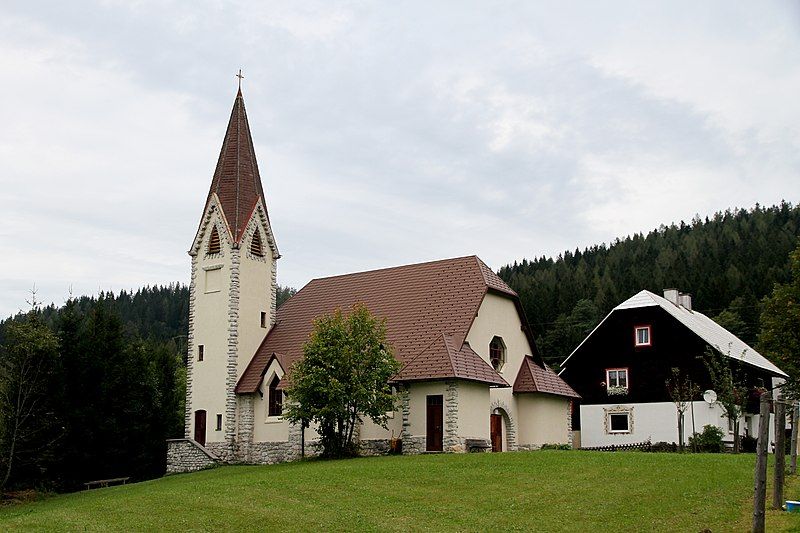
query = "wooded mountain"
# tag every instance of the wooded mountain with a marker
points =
(727, 262)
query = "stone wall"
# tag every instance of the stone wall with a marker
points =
(452, 442)
(185, 455)
(372, 447)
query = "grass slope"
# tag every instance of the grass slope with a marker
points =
(542, 491)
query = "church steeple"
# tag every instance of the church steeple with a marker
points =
(237, 182)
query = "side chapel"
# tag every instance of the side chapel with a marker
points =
(472, 378)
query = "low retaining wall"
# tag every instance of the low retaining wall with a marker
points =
(186, 455)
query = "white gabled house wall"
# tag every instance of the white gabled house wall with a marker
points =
(658, 422)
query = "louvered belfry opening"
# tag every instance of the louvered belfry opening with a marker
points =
(255, 245)
(213, 242)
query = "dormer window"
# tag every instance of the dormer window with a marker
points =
(255, 245)
(497, 353)
(642, 336)
(213, 242)
(275, 398)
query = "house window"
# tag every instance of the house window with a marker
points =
(200, 352)
(255, 245)
(619, 423)
(213, 242)
(275, 398)
(497, 353)
(219, 422)
(617, 378)
(263, 319)
(642, 335)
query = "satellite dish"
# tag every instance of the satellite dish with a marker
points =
(710, 397)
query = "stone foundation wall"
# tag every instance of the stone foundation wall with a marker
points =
(414, 445)
(185, 455)
(371, 447)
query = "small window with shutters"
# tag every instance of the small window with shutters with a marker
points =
(213, 242)
(255, 245)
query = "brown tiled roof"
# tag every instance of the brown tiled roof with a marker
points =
(493, 281)
(236, 181)
(423, 304)
(441, 358)
(534, 378)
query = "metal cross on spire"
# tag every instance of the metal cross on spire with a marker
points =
(240, 79)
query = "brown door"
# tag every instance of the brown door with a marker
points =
(435, 424)
(497, 432)
(200, 427)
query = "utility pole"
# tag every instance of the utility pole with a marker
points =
(780, 453)
(760, 484)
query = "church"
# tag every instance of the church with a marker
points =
(472, 378)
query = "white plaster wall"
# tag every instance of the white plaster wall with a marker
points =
(542, 419)
(269, 428)
(210, 330)
(371, 430)
(255, 283)
(418, 407)
(473, 410)
(498, 316)
(657, 421)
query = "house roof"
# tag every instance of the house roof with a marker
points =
(533, 378)
(442, 358)
(712, 333)
(429, 309)
(236, 181)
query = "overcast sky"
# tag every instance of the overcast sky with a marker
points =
(387, 132)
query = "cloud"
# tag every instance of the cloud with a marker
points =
(386, 133)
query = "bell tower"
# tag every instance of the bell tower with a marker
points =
(232, 290)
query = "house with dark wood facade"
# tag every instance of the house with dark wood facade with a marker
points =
(621, 369)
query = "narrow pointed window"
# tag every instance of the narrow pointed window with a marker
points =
(275, 398)
(255, 245)
(213, 242)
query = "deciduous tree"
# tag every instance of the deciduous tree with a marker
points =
(343, 376)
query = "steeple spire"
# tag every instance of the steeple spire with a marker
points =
(237, 182)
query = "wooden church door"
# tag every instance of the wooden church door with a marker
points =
(496, 431)
(435, 424)
(200, 427)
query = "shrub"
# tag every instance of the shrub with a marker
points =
(663, 447)
(555, 447)
(749, 444)
(709, 441)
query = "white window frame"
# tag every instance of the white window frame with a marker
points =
(627, 416)
(617, 370)
(636, 331)
(618, 410)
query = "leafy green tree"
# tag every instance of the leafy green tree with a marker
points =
(28, 425)
(568, 332)
(727, 380)
(779, 338)
(682, 391)
(343, 376)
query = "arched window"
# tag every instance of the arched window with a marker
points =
(497, 353)
(275, 398)
(213, 242)
(255, 245)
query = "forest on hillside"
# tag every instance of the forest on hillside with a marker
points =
(105, 375)
(728, 262)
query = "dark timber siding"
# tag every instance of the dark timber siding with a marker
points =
(612, 346)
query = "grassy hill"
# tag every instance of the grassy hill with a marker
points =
(543, 491)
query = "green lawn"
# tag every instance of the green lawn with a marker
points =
(539, 491)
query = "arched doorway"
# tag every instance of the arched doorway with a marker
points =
(502, 432)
